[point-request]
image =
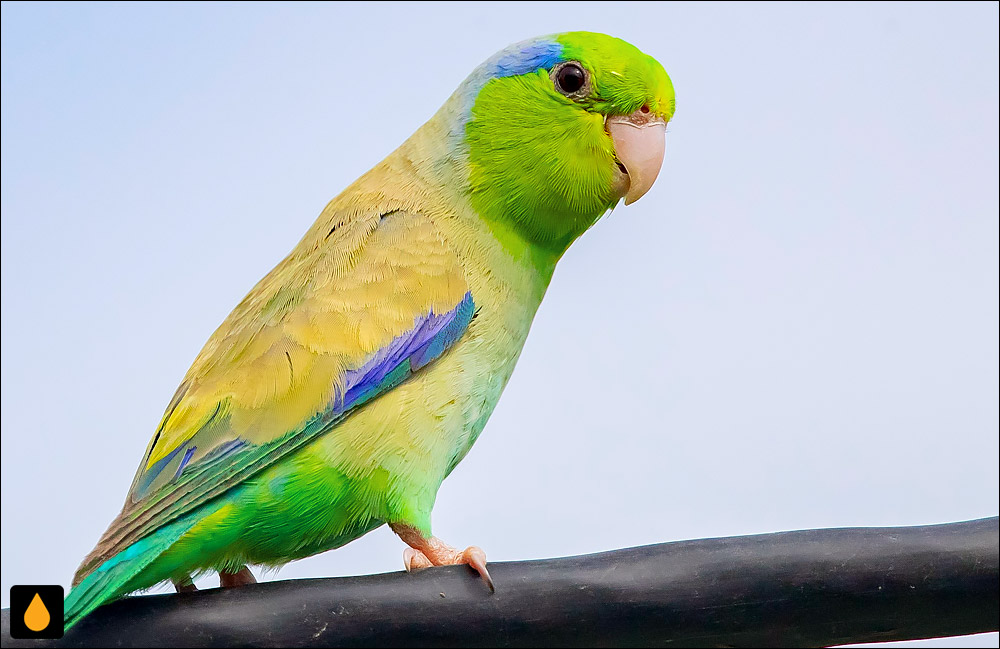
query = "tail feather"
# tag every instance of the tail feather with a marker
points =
(115, 577)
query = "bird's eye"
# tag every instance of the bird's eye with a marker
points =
(569, 78)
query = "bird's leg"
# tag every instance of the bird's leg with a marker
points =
(241, 577)
(426, 552)
(185, 585)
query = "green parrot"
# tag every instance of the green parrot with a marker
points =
(356, 375)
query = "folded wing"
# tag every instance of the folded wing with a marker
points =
(337, 323)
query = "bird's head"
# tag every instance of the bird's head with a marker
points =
(558, 129)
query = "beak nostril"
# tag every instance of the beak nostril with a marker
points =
(644, 108)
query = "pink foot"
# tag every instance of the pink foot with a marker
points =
(427, 552)
(185, 586)
(241, 577)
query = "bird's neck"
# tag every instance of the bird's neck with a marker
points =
(439, 164)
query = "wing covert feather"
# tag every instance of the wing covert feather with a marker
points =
(328, 329)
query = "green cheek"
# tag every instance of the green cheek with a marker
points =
(539, 163)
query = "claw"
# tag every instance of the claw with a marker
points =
(476, 558)
(425, 552)
(408, 555)
(415, 560)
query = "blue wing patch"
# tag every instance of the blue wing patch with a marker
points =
(431, 336)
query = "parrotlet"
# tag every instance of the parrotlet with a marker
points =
(356, 375)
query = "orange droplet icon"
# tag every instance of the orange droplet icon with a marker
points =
(37, 616)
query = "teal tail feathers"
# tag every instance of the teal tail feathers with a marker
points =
(115, 577)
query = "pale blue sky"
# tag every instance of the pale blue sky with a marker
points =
(796, 328)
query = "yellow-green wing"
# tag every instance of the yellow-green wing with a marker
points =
(338, 322)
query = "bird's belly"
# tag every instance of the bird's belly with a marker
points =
(384, 463)
(295, 509)
(398, 449)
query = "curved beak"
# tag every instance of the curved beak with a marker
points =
(639, 141)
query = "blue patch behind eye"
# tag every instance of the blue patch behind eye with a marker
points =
(525, 58)
(541, 53)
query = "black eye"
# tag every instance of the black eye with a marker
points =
(570, 78)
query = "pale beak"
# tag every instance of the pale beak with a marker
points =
(639, 140)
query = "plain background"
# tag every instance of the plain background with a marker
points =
(796, 328)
